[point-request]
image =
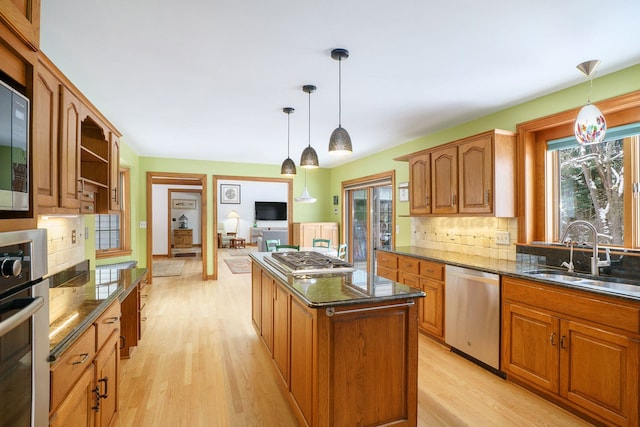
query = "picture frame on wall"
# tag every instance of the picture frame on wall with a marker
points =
(183, 204)
(403, 191)
(230, 194)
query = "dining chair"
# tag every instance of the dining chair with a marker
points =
(322, 243)
(287, 248)
(271, 244)
(342, 251)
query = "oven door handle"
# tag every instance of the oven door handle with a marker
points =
(27, 306)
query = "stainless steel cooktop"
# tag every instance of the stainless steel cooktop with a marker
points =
(307, 262)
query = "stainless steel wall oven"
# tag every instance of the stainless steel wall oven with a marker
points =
(24, 329)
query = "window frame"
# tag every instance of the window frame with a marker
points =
(535, 216)
(125, 220)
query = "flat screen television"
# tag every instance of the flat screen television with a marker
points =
(271, 211)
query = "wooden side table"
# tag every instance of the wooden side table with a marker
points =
(182, 238)
(237, 243)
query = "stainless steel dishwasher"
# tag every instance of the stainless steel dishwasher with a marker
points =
(472, 314)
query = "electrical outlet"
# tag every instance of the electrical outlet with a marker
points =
(73, 237)
(451, 234)
(502, 238)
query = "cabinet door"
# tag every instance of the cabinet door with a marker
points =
(420, 185)
(69, 150)
(45, 136)
(444, 180)
(309, 232)
(256, 294)
(302, 356)
(115, 192)
(329, 231)
(107, 381)
(281, 331)
(476, 176)
(266, 292)
(431, 308)
(530, 342)
(77, 409)
(599, 372)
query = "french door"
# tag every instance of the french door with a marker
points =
(369, 219)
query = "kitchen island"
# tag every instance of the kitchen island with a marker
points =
(343, 343)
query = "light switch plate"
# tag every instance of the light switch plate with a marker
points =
(143, 224)
(502, 238)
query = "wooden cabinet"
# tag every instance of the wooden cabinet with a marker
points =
(470, 176)
(69, 151)
(256, 299)
(327, 379)
(580, 348)
(115, 192)
(420, 189)
(281, 331)
(23, 18)
(133, 320)
(144, 290)
(427, 276)
(305, 232)
(182, 238)
(85, 379)
(444, 180)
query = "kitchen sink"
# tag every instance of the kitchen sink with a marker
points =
(611, 284)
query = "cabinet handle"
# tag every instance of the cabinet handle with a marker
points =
(115, 194)
(123, 342)
(552, 339)
(105, 381)
(562, 340)
(453, 200)
(83, 358)
(488, 196)
(96, 390)
(111, 320)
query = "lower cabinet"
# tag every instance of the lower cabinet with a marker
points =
(134, 318)
(329, 364)
(577, 348)
(85, 379)
(428, 276)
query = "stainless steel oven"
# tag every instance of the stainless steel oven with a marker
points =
(24, 329)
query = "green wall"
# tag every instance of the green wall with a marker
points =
(621, 82)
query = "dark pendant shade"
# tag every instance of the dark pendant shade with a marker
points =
(288, 167)
(309, 158)
(340, 141)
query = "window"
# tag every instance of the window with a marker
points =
(590, 183)
(111, 230)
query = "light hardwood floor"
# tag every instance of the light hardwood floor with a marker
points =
(200, 363)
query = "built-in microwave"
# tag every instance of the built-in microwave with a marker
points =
(14, 150)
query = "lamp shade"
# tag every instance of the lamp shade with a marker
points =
(309, 158)
(305, 197)
(233, 214)
(340, 141)
(590, 126)
(288, 168)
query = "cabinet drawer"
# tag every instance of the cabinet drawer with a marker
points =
(107, 323)
(87, 207)
(387, 273)
(66, 372)
(432, 270)
(387, 260)
(409, 265)
(574, 303)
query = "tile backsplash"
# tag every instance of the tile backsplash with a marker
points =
(63, 252)
(466, 235)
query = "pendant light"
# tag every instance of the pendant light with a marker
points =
(309, 158)
(288, 167)
(305, 197)
(340, 141)
(590, 127)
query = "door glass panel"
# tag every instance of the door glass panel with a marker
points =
(359, 227)
(382, 213)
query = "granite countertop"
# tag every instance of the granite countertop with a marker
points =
(78, 302)
(338, 289)
(515, 269)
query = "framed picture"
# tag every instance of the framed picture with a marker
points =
(230, 194)
(403, 191)
(183, 203)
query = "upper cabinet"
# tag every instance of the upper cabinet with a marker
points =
(77, 169)
(463, 177)
(23, 18)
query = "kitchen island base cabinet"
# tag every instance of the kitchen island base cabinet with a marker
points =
(355, 365)
(577, 348)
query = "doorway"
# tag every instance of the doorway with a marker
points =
(369, 220)
(176, 179)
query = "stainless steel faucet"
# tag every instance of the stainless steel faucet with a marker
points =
(596, 263)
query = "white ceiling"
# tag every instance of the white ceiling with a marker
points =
(208, 79)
